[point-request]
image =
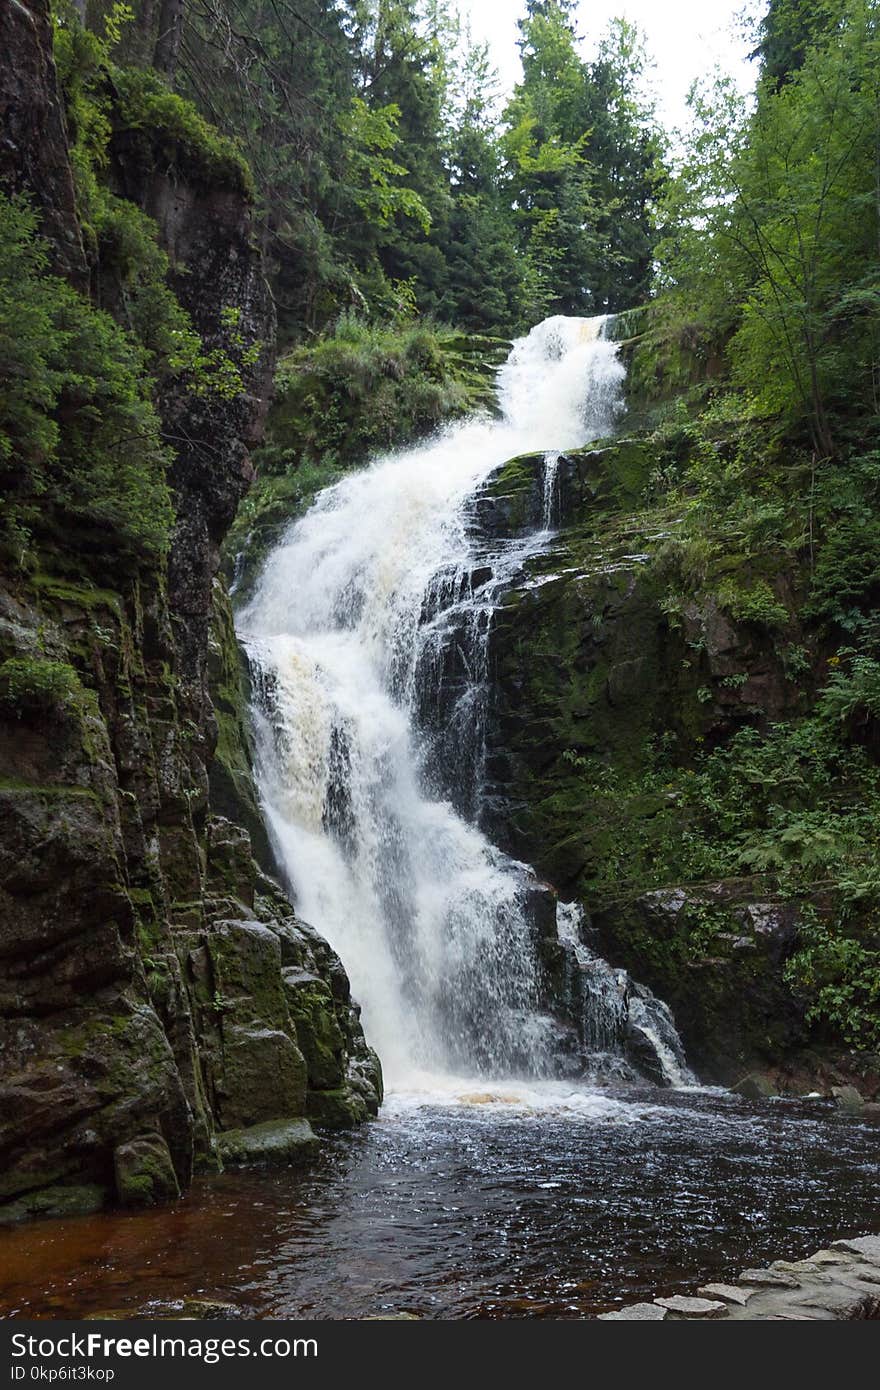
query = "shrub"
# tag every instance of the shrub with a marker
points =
(30, 685)
(757, 604)
(836, 970)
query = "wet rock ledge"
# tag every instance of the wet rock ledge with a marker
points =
(840, 1284)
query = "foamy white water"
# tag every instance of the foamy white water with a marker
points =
(361, 613)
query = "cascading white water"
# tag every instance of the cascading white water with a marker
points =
(346, 630)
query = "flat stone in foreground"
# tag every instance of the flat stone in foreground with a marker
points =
(728, 1293)
(840, 1284)
(821, 1258)
(693, 1307)
(769, 1279)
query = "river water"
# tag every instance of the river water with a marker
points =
(558, 1202)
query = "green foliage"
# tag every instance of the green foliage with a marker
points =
(757, 604)
(836, 970)
(846, 579)
(27, 338)
(131, 270)
(362, 389)
(370, 135)
(584, 156)
(787, 32)
(179, 137)
(368, 387)
(851, 700)
(794, 805)
(774, 215)
(708, 790)
(800, 801)
(80, 442)
(380, 158)
(33, 685)
(81, 450)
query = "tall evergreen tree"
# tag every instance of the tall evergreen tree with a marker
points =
(584, 157)
(398, 67)
(626, 151)
(787, 31)
(484, 274)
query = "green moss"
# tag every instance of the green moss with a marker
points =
(21, 787)
(670, 361)
(83, 595)
(175, 133)
(76, 384)
(81, 1038)
(246, 965)
(337, 1109)
(318, 1032)
(144, 1172)
(56, 1201)
(233, 793)
(274, 1142)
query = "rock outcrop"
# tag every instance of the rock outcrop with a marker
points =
(33, 148)
(595, 681)
(158, 992)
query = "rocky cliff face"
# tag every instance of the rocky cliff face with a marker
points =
(162, 1008)
(605, 698)
(33, 151)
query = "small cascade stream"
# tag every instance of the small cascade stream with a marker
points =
(368, 639)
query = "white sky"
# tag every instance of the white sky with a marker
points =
(686, 38)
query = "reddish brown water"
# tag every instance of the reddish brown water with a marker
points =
(477, 1210)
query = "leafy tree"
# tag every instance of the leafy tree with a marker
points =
(807, 217)
(400, 65)
(787, 31)
(549, 174)
(484, 274)
(782, 209)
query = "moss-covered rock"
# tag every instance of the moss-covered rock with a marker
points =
(56, 1202)
(274, 1142)
(671, 363)
(161, 132)
(716, 954)
(337, 1109)
(232, 790)
(645, 637)
(144, 1172)
(263, 1073)
(317, 1028)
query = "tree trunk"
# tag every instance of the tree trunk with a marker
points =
(168, 41)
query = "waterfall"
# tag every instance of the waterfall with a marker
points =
(367, 635)
(621, 1025)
